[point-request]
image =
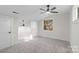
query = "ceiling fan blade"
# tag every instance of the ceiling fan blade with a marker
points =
(54, 12)
(42, 9)
(53, 8)
(15, 12)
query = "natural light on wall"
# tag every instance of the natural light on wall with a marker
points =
(75, 14)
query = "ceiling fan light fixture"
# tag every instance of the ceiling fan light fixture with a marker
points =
(48, 12)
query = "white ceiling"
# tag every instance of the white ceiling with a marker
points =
(30, 10)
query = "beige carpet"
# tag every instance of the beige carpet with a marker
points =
(40, 45)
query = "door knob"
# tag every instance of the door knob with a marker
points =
(9, 32)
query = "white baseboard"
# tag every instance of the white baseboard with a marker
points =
(75, 49)
(52, 38)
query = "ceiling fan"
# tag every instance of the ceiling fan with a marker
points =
(49, 10)
(15, 12)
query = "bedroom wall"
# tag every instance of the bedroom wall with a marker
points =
(60, 28)
(74, 31)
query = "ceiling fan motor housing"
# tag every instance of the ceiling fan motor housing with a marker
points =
(48, 7)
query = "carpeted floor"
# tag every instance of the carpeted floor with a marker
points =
(40, 45)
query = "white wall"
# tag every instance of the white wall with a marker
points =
(74, 31)
(60, 28)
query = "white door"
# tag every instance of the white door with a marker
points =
(5, 35)
(34, 28)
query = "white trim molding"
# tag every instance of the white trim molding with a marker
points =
(75, 49)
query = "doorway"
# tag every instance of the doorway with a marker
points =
(27, 33)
